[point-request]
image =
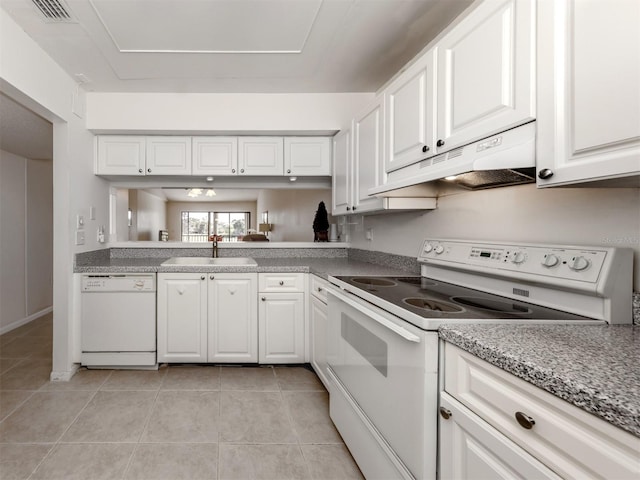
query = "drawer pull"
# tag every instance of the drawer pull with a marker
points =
(319, 289)
(525, 420)
(211, 277)
(281, 282)
(445, 413)
(264, 299)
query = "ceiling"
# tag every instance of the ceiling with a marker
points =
(235, 46)
(222, 194)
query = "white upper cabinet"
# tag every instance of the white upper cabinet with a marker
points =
(121, 155)
(588, 92)
(368, 168)
(260, 155)
(410, 108)
(214, 155)
(170, 155)
(341, 177)
(486, 73)
(307, 156)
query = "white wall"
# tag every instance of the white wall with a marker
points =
(175, 209)
(206, 112)
(580, 216)
(292, 212)
(149, 215)
(26, 239)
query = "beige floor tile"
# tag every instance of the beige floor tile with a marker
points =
(310, 414)
(17, 462)
(94, 461)
(176, 461)
(7, 364)
(118, 416)
(297, 378)
(135, 380)
(332, 462)
(248, 378)
(10, 399)
(254, 417)
(262, 462)
(184, 416)
(83, 380)
(28, 375)
(41, 330)
(6, 339)
(192, 378)
(43, 418)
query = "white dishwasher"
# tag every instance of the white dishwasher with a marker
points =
(118, 326)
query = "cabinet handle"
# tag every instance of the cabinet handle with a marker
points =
(264, 299)
(440, 143)
(211, 277)
(140, 170)
(289, 171)
(525, 420)
(281, 283)
(354, 208)
(425, 149)
(545, 173)
(445, 413)
(319, 289)
(233, 170)
(348, 209)
(148, 170)
(242, 170)
(203, 277)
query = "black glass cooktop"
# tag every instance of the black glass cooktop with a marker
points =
(435, 299)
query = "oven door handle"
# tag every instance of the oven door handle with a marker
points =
(403, 332)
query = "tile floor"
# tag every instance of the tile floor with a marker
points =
(180, 422)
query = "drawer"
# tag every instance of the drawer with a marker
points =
(319, 288)
(570, 441)
(281, 282)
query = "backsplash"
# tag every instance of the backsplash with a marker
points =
(636, 308)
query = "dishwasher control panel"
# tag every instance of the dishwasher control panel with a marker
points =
(119, 283)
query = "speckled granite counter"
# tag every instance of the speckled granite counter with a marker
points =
(595, 368)
(318, 266)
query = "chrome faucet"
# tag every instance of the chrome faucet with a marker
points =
(214, 249)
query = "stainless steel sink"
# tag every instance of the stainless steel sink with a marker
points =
(208, 261)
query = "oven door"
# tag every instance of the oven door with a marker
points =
(387, 369)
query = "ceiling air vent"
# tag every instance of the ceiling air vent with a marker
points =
(54, 11)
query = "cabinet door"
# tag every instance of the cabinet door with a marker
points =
(471, 448)
(410, 108)
(215, 155)
(318, 321)
(168, 156)
(281, 320)
(182, 317)
(261, 155)
(368, 168)
(486, 70)
(233, 313)
(121, 155)
(589, 94)
(341, 178)
(307, 156)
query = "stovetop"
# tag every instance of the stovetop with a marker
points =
(434, 299)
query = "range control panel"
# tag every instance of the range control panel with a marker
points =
(571, 263)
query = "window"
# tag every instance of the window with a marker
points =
(198, 226)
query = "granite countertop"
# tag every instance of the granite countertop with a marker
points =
(321, 266)
(596, 368)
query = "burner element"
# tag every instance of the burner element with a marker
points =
(377, 282)
(432, 305)
(493, 305)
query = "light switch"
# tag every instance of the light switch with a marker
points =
(79, 221)
(79, 237)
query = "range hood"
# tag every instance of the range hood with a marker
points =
(507, 158)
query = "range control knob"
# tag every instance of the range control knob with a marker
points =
(427, 248)
(550, 260)
(518, 257)
(579, 263)
(439, 249)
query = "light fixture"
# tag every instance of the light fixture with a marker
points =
(451, 177)
(194, 192)
(209, 179)
(293, 179)
(210, 192)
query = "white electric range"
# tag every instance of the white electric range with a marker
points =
(383, 343)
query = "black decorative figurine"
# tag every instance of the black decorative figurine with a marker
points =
(321, 224)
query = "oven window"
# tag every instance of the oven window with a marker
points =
(373, 349)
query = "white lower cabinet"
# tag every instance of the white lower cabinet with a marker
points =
(207, 317)
(281, 318)
(318, 325)
(500, 426)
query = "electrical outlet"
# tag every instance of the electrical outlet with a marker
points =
(79, 237)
